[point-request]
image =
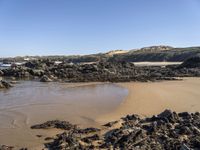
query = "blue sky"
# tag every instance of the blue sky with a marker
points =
(48, 27)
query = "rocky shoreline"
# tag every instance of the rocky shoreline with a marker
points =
(167, 130)
(103, 71)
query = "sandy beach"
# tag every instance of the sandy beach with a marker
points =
(150, 98)
(94, 105)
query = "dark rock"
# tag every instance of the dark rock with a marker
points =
(54, 124)
(132, 117)
(110, 124)
(66, 140)
(48, 138)
(184, 147)
(39, 136)
(192, 62)
(88, 130)
(91, 138)
(184, 115)
(45, 79)
(165, 114)
(168, 130)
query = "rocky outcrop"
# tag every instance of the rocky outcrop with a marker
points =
(102, 71)
(167, 130)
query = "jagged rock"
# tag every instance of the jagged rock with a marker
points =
(113, 71)
(88, 130)
(54, 124)
(181, 131)
(184, 115)
(45, 79)
(91, 138)
(110, 124)
(165, 114)
(66, 140)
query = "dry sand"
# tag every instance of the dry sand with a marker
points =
(162, 63)
(147, 99)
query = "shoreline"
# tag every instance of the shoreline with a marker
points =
(144, 97)
(78, 103)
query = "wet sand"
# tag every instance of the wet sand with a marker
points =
(30, 103)
(148, 99)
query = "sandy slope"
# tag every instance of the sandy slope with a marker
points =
(152, 98)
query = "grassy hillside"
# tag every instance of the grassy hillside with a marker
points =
(173, 54)
(153, 54)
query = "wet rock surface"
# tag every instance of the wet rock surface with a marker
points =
(167, 130)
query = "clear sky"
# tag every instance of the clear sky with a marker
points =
(48, 27)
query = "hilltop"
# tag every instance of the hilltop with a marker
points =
(152, 54)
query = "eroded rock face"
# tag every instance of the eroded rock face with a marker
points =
(167, 130)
